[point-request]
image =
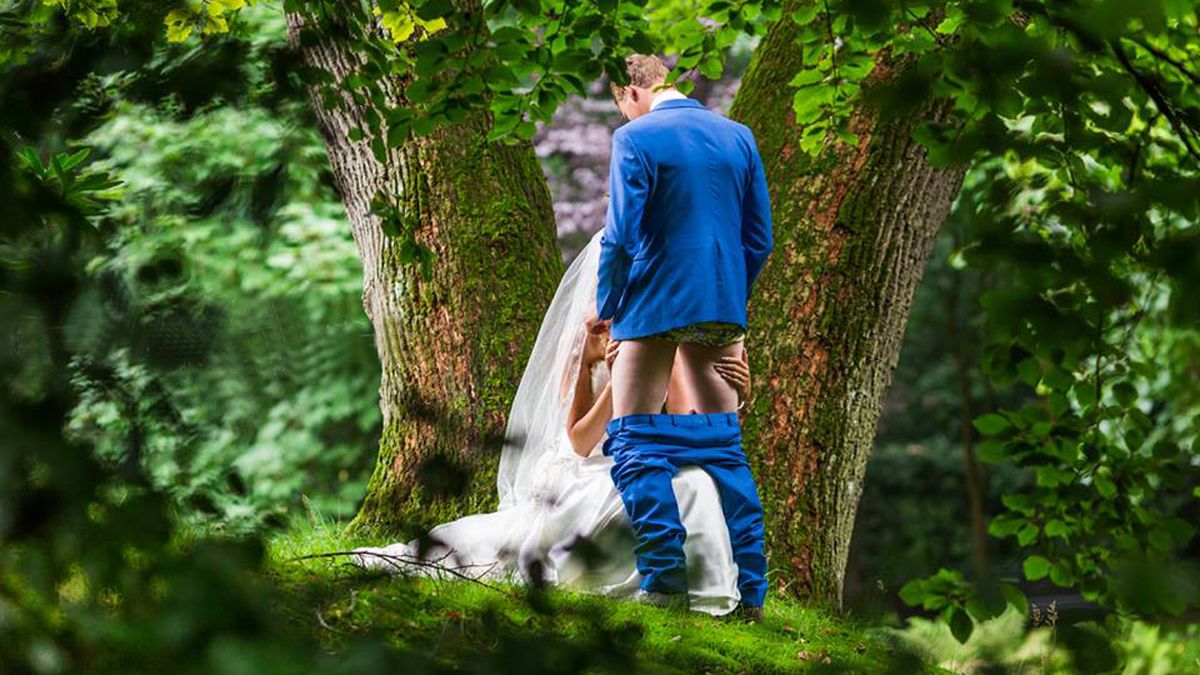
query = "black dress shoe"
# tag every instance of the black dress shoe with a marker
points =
(674, 601)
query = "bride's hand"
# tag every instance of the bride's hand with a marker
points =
(596, 341)
(736, 371)
(593, 348)
(610, 353)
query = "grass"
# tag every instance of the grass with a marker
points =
(463, 626)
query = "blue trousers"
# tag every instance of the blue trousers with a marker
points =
(647, 451)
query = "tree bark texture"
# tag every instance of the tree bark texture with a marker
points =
(452, 346)
(853, 230)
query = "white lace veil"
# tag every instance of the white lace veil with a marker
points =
(537, 420)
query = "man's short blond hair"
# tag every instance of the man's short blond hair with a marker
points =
(644, 70)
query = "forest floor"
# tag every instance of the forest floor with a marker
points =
(468, 626)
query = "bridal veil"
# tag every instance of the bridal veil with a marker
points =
(538, 417)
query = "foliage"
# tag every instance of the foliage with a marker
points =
(251, 373)
(89, 13)
(1087, 327)
(85, 190)
(1005, 644)
(89, 578)
(1104, 427)
(1087, 201)
(208, 17)
(1001, 644)
(225, 346)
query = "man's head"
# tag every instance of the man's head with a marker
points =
(646, 76)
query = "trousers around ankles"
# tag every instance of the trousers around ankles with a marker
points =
(647, 451)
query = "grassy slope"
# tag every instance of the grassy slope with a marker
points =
(469, 626)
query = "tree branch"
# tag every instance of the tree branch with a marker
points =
(1163, 56)
(1160, 100)
(397, 561)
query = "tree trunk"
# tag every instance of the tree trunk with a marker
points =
(452, 346)
(853, 231)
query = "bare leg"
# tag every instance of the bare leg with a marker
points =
(640, 376)
(705, 389)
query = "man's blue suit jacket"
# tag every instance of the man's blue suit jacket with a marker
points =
(688, 225)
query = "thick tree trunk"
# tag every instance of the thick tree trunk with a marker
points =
(452, 346)
(853, 231)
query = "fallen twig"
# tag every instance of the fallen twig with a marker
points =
(398, 561)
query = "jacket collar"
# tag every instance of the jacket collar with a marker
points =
(677, 103)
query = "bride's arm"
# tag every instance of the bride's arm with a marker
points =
(589, 414)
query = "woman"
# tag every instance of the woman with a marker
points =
(560, 518)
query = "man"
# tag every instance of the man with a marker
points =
(687, 231)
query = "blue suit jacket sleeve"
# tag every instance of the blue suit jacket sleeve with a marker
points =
(628, 188)
(757, 239)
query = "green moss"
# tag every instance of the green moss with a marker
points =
(464, 625)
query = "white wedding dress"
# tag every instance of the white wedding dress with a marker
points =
(560, 517)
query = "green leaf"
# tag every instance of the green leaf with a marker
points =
(1051, 476)
(961, 625)
(1125, 393)
(72, 161)
(1160, 540)
(1005, 525)
(1016, 597)
(422, 126)
(500, 77)
(1036, 567)
(1061, 575)
(433, 9)
(1057, 528)
(993, 451)
(712, 68)
(33, 161)
(950, 23)
(1030, 371)
(914, 593)
(397, 134)
(807, 77)
(526, 130)
(1085, 393)
(980, 610)
(991, 424)
(805, 14)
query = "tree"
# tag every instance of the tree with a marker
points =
(453, 336)
(854, 226)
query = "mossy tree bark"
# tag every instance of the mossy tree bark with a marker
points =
(453, 345)
(853, 230)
